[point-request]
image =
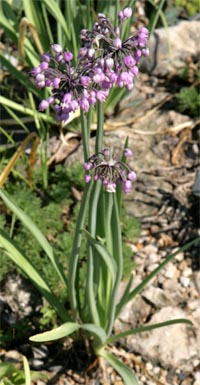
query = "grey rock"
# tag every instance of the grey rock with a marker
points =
(175, 345)
(171, 47)
(157, 297)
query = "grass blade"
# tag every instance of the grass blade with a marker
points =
(26, 220)
(25, 265)
(60, 332)
(127, 374)
(27, 371)
(147, 328)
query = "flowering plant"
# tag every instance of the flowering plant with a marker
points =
(104, 61)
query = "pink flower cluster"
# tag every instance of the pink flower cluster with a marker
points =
(104, 60)
(108, 168)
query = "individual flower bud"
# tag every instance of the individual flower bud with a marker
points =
(74, 105)
(67, 56)
(121, 15)
(84, 104)
(44, 65)
(67, 98)
(111, 187)
(101, 95)
(36, 70)
(87, 178)
(56, 82)
(88, 166)
(90, 53)
(117, 43)
(132, 176)
(109, 62)
(126, 186)
(56, 48)
(48, 83)
(129, 61)
(128, 153)
(43, 105)
(46, 57)
(83, 52)
(41, 84)
(85, 80)
(127, 12)
(134, 70)
(50, 99)
(40, 78)
(145, 51)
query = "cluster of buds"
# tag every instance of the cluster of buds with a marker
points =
(108, 167)
(104, 60)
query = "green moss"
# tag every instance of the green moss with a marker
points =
(189, 101)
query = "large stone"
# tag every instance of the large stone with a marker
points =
(171, 47)
(175, 346)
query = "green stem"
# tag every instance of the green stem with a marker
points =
(117, 252)
(108, 215)
(90, 290)
(85, 135)
(73, 261)
(100, 121)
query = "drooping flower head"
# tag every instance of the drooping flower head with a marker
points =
(104, 60)
(110, 169)
(119, 59)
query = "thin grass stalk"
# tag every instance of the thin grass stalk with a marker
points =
(155, 20)
(47, 24)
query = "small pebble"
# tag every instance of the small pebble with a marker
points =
(152, 266)
(185, 281)
(170, 271)
(187, 272)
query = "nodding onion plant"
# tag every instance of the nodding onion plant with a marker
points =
(105, 60)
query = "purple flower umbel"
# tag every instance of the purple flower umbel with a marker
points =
(107, 167)
(104, 60)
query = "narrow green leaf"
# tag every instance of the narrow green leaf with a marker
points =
(27, 221)
(26, 110)
(55, 11)
(27, 371)
(147, 328)
(60, 332)
(124, 297)
(104, 254)
(33, 13)
(26, 266)
(25, 80)
(17, 119)
(126, 373)
(7, 25)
